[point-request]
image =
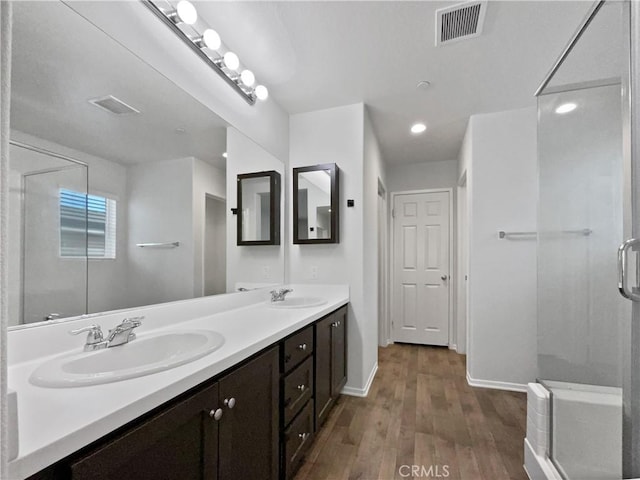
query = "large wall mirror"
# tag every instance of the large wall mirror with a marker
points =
(316, 204)
(119, 186)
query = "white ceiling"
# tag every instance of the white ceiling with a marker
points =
(316, 55)
(60, 61)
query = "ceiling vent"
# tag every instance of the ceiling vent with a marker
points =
(113, 105)
(459, 22)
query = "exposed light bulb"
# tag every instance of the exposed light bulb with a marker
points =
(418, 128)
(566, 108)
(261, 92)
(211, 39)
(231, 61)
(248, 78)
(224, 154)
(187, 12)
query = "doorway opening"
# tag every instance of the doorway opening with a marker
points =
(215, 246)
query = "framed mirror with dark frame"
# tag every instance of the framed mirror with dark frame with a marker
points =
(259, 208)
(316, 216)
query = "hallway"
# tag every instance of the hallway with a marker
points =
(421, 414)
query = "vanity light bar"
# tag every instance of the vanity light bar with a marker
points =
(225, 65)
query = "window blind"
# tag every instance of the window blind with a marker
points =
(87, 225)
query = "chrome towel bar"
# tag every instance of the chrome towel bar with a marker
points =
(158, 245)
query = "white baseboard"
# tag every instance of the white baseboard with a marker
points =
(513, 387)
(361, 392)
(537, 467)
(453, 346)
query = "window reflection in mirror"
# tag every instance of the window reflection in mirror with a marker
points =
(316, 204)
(259, 208)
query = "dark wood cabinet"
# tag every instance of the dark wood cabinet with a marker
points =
(226, 429)
(179, 442)
(249, 427)
(255, 421)
(331, 362)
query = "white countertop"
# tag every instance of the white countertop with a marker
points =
(55, 422)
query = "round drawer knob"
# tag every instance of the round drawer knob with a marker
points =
(302, 346)
(216, 414)
(301, 387)
(303, 436)
(230, 402)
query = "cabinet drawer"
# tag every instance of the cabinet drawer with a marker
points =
(298, 388)
(297, 439)
(297, 348)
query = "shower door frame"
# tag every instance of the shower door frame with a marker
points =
(631, 135)
(75, 163)
(631, 213)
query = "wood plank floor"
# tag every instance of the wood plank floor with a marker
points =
(421, 411)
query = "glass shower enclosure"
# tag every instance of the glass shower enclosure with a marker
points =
(48, 244)
(587, 176)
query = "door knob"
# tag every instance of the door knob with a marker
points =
(444, 278)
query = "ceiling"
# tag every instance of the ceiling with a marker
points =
(317, 55)
(60, 61)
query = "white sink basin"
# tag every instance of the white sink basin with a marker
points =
(299, 302)
(145, 355)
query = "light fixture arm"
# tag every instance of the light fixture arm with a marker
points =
(196, 45)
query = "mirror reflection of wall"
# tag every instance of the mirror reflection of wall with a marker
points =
(314, 205)
(316, 200)
(149, 156)
(256, 206)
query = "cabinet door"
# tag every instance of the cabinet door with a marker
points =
(180, 442)
(338, 352)
(323, 370)
(249, 427)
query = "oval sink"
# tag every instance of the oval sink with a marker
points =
(142, 356)
(299, 302)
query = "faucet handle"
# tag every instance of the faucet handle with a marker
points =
(94, 335)
(134, 322)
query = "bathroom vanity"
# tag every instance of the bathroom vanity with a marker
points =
(248, 410)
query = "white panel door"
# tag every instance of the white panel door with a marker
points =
(421, 268)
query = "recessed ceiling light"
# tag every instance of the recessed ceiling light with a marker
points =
(224, 154)
(566, 108)
(418, 128)
(423, 84)
(180, 130)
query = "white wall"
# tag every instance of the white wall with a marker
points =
(499, 155)
(374, 170)
(161, 274)
(343, 135)
(421, 176)
(251, 264)
(211, 181)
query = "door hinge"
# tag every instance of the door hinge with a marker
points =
(393, 213)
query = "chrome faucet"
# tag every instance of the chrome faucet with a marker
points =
(95, 339)
(279, 295)
(120, 335)
(123, 333)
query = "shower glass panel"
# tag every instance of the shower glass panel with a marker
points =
(49, 274)
(581, 315)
